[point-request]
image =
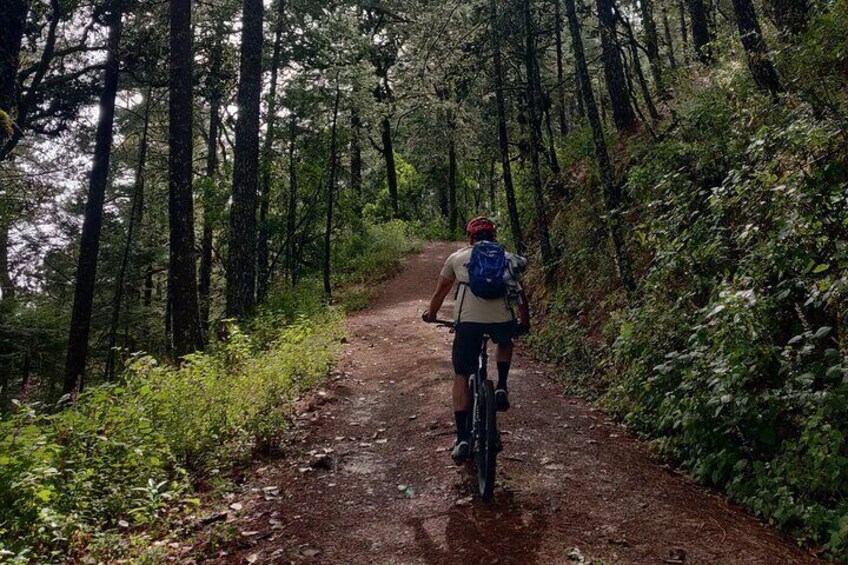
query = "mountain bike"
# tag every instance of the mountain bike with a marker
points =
(485, 438)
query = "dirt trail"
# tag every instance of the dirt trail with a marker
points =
(386, 492)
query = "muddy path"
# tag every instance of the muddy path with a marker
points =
(369, 479)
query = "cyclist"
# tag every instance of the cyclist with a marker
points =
(475, 317)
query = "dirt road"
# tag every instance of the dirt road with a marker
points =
(370, 481)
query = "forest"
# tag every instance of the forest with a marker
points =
(193, 195)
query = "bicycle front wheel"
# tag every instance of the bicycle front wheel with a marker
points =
(487, 449)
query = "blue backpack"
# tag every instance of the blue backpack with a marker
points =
(486, 270)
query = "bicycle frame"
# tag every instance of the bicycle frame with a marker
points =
(482, 419)
(475, 382)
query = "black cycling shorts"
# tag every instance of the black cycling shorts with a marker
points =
(468, 339)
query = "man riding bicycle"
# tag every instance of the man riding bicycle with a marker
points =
(487, 298)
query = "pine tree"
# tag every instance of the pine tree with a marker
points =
(612, 192)
(756, 50)
(184, 313)
(77, 352)
(503, 131)
(652, 45)
(241, 256)
(535, 137)
(262, 261)
(622, 111)
(701, 35)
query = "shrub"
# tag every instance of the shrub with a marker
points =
(731, 357)
(123, 454)
(368, 257)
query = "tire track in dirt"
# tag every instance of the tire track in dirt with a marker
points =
(369, 481)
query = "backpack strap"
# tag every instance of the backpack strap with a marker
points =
(506, 294)
(508, 305)
(461, 302)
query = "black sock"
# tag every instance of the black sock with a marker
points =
(503, 373)
(461, 425)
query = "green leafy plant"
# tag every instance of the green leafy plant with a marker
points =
(731, 357)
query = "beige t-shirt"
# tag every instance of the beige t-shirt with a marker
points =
(471, 308)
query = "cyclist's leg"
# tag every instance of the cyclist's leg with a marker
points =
(466, 345)
(502, 335)
(461, 395)
(504, 361)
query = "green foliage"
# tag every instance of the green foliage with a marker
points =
(435, 229)
(571, 328)
(732, 358)
(6, 126)
(411, 195)
(123, 455)
(370, 256)
(376, 250)
(818, 63)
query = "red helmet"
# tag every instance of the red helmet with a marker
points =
(480, 224)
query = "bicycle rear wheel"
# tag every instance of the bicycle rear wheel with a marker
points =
(487, 448)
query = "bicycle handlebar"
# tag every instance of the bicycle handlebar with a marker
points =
(446, 323)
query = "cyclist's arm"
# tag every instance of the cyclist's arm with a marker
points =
(442, 289)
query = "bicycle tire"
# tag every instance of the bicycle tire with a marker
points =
(487, 452)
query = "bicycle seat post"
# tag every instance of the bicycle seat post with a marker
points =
(484, 358)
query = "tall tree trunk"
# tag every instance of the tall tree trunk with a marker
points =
(331, 193)
(790, 15)
(563, 123)
(684, 29)
(77, 353)
(503, 132)
(148, 286)
(26, 374)
(612, 192)
(132, 226)
(13, 15)
(214, 87)
(356, 157)
(5, 382)
(453, 214)
(652, 45)
(7, 286)
(581, 109)
(535, 137)
(205, 283)
(169, 319)
(755, 47)
(493, 187)
(622, 111)
(291, 216)
(182, 274)
(701, 36)
(553, 159)
(391, 171)
(637, 69)
(28, 100)
(669, 43)
(264, 277)
(544, 116)
(442, 193)
(241, 256)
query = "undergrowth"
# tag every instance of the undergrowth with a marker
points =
(102, 474)
(732, 355)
